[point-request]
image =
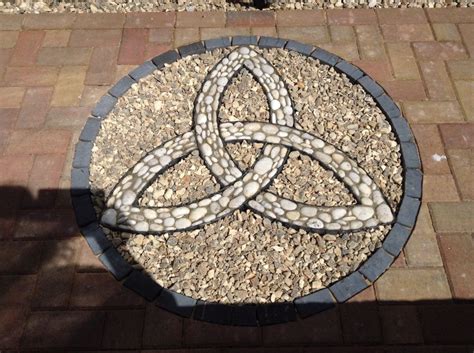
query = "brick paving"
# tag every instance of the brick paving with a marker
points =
(54, 293)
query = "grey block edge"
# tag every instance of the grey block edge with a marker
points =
(276, 313)
(410, 156)
(376, 264)
(244, 315)
(82, 154)
(115, 263)
(143, 285)
(351, 71)
(83, 209)
(348, 287)
(143, 70)
(388, 106)
(271, 42)
(80, 181)
(215, 313)
(370, 86)
(314, 303)
(191, 49)
(325, 57)
(301, 48)
(244, 40)
(413, 183)
(215, 43)
(396, 239)
(90, 130)
(176, 303)
(167, 57)
(122, 86)
(408, 212)
(96, 238)
(104, 107)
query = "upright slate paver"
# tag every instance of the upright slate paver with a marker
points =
(408, 211)
(82, 155)
(143, 285)
(350, 70)
(90, 130)
(244, 315)
(271, 42)
(176, 303)
(83, 209)
(372, 87)
(115, 263)
(213, 312)
(96, 238)
(314, 303)
(143, 70)
(244, 40)
(165, 58)
(325, 57)
(377, 264)
(402, 128)
(299, 47)
(348, 286)
(411, 158)
(396, 239)
(80, 181)
(191, 49)
(275, 313)
(105, 106)
(413, 183)
(122, 86)
(215, 43)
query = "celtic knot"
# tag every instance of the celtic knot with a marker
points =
(244, 188)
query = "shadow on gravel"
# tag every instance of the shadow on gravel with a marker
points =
(50, 301)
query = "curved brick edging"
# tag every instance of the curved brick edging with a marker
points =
(248, 314)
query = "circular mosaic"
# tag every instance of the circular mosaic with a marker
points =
(246, 180)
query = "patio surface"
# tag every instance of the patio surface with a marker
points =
(56, 296)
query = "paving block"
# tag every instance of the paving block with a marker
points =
(413, 183)
(396, 239)
(271, 42)
(377, 264)
(371, 86)
(143, 285)
(402, 128)
(388, 107)
(82, 155)
(115, 263)
(176, 303)
(121, 86)
(299, 47)
(325, 57)
(217, 43)
(244, 315)
(408, 211)
(275, 313)
(96, 238)
(350, 70)
(348, 287)
(314, 303)
(105, 106)
(143, 70)
(190, 49)
(411, 158)
(90, 130)
(79, 181)
(213, 312)
(244, 40)
(84, 210)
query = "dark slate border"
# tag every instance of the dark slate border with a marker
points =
(247, 314)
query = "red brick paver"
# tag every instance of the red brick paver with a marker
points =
(54, 292)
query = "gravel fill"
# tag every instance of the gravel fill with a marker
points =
(105, 6)
(245, 257)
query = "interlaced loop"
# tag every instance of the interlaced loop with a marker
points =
(244, 188)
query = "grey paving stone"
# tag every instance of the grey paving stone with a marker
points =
(388, 107)
(299, 47)
(377, 264)
(350, 70)
(176, 303)
(143, 285)
(213, 312)
(408, 211)
(115, 263)
(314, 303)
(143, 70)
(371, 86)
(325, 57)
(90, 130)
(348, 287)
(80, 181)
(402, 128)
(244, 40)
(122, 86)
(244, 315)
(96, 238)
(82, 155)
(166, 58)
(396, 239)
(105, 106)
(410, 156)
(83, 209)
(413, 183)
(271, 42)
(217, 43)
(190, 49)
(275, 313)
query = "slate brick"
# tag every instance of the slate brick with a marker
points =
(275, 313)
(176, 303)
(143, 285)
(314, 303)
(348, 287)
(115, 263)
(377, 264)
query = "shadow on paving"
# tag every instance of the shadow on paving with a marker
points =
(51, 301)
